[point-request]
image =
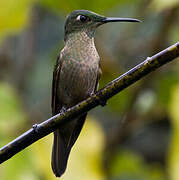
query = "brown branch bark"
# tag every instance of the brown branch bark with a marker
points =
(40, 130)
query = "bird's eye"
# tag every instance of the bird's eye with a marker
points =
(82, 18)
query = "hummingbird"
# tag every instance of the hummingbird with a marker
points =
(75, 77)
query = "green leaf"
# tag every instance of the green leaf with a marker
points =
(13, 15)
(93, 5)
(174, 147)
(11, 112)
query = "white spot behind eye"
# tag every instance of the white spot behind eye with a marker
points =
(78, 17)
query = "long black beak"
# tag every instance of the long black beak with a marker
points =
(113, 19)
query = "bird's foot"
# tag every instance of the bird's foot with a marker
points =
(35, 128)
(102, 102)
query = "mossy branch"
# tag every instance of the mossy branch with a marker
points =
(40, 130)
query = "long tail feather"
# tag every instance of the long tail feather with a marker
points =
(62, 144)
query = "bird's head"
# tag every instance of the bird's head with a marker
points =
(83, 20)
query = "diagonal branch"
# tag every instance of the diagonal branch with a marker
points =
(40, 130)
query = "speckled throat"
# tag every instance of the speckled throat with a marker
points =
(80, 44)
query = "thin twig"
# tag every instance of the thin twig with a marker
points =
(40, 130)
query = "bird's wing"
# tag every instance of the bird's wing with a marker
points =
(55, 103)
(65, 136)
(98, 77)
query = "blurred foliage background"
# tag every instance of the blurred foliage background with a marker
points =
(134, 137)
